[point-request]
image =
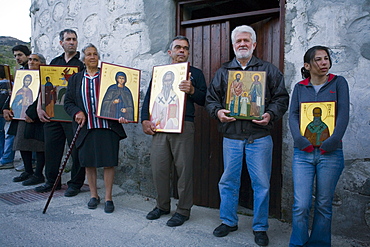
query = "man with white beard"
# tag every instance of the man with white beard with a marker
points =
(246, 137)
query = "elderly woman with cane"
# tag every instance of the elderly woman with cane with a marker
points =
(98, 140)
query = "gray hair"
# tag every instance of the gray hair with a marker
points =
(41, 57)
(179, 37)
(84, 49)
(243, 29)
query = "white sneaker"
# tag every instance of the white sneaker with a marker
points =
(20, 168)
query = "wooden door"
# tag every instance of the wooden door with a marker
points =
(209, 49)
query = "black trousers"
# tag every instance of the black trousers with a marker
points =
(56, 134)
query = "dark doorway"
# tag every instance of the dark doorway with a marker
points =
(208, 25)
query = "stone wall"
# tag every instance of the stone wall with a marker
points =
(133, 33)
(344, 26)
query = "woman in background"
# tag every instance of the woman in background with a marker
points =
(29, 136)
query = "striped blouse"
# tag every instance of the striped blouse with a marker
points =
(89, 92)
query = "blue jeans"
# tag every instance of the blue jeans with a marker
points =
(6, 143)
(258, 157)
(2, 135)
(326, 170)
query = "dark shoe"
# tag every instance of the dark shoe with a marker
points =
(109, 207)
(222, 230)
(156, 213)
(93, 203)
(261, 238)
(33, 180)
(22, 177)
(71, 192)
(7, 165)
(177, 220)
(46, 188)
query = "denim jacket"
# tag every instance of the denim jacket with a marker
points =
(335, 89)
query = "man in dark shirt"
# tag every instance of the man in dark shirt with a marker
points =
(56, 133)
(168, 148)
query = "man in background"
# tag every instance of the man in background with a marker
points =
(21, 54)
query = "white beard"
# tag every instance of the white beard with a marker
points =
(166, 90)
(243, 54)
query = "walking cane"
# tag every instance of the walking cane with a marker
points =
(61, 168)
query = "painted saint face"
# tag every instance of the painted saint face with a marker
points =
(317, 112)
(27, 81)
(167, 80)
(121, 80)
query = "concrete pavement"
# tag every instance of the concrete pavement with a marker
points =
(68, 222)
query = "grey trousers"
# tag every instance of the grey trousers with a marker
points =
(177, 149)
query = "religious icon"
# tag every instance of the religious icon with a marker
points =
(119, 92)
(317, 121)
(25, 91)
(54, 82)
(246, 94)
(7, 86)
(8, 75)
(167, 102)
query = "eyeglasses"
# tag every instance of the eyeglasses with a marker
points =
(178, 47)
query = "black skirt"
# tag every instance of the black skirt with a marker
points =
(99, 149)
(23, 144)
